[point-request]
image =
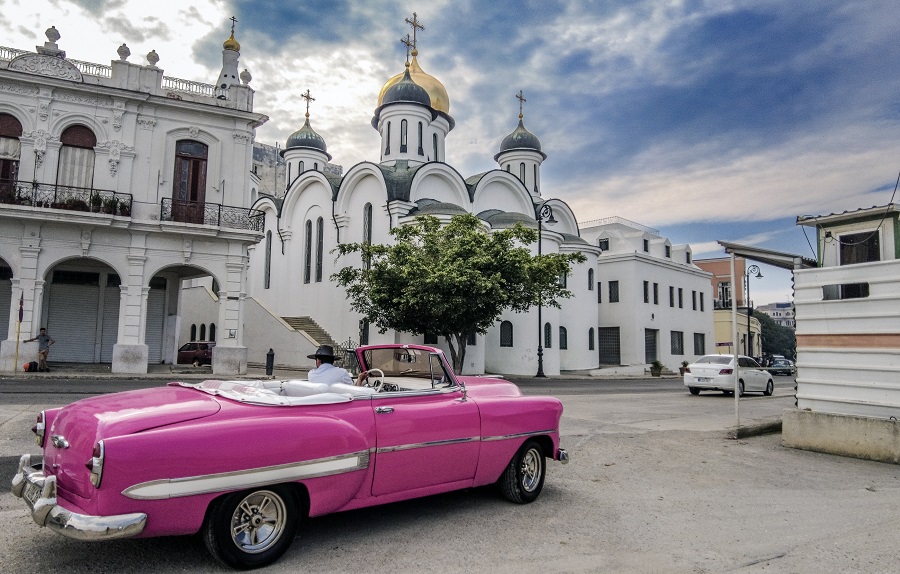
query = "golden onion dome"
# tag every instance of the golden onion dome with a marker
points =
(440, 101)
(232, 44)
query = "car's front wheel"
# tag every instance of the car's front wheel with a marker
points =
(523, 478)
(770, 388)
(741, 388)
(253, 528)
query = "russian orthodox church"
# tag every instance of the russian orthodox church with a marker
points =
(290, 269)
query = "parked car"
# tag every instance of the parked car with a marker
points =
(196, 353)
(781, 367)
(716, 373)
(245, 462)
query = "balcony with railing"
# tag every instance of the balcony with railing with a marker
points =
(201, 213)
(65, 197)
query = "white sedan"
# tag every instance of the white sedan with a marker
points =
(716, 373)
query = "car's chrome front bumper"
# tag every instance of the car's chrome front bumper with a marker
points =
(39, 493)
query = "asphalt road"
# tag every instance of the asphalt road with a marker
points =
(654, 485)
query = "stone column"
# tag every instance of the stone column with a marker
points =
(31, 290)
(229, 355)
(130, 354)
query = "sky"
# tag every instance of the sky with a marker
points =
(707, 120)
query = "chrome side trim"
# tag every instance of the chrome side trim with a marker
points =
(59, 441)
(236, 480)
(518, 435)
(427, 444)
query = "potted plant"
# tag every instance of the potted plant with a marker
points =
(96, 200)
(656, 368)
(110, 204)
(683, 367)
(125, 209)
(79, 205)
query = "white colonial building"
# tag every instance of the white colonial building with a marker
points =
(116, 184)
(653, 302)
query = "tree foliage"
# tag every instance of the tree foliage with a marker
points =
(451, 280)
(776, 339)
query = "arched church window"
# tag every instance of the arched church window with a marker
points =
(10, 132)
(435, 146)
(402, 136)
(288, 180)
(507, 168)
(506, 334)
(563, 338)
(267, 277)
(591, 339)
(316, 166)
(301, 167)
(202, 331)
(590, 279)
(535, 178)
(522, 171)
(212, 331)
(189, 188)
(367, 231)
(320, 238)
(548, 335)
(421, 149)
(193, 332)
(76, 157)
(387, 146)
(307, 256)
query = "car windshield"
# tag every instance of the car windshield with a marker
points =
(780, 363)
(408, 364)
(715, 359)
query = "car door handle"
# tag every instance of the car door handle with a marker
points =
(384, 410)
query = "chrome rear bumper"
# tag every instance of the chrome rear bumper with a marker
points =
(39, 493)
(563, 456)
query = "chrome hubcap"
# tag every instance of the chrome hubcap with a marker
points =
(532, 464)
(258, 521)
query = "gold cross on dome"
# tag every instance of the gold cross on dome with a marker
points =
(406, 41)
(233, 22)
(308, 97)
(416, 25)
(521, 97)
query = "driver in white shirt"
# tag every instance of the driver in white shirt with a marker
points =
(326, 372)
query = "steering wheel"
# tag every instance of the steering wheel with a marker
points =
(375, 381)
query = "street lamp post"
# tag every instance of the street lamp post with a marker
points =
(752, 270)
(543, 213)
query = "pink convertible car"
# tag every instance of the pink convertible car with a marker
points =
(188, 458)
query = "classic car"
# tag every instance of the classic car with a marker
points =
(187, 458)
(196, 353)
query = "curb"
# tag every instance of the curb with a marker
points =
(744, 431)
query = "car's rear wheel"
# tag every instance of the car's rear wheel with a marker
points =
(523, 478)
(741, 388)
(253, 528)
(770, 388)
(694, 390)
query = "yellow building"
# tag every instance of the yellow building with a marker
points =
(725, 336)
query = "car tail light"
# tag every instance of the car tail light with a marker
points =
(95, 465)
(726, 371)
(39, 429)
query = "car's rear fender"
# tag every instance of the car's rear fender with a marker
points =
(506, 423)
(181, 469)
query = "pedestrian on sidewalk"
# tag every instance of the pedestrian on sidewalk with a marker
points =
(44, 341)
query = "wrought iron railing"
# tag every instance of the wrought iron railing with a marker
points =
(211, 214)
(66, 197)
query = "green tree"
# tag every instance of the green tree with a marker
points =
(776, 340)
(451, 280)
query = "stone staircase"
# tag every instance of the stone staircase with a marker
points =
(311, 328)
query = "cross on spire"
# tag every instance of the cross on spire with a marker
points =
(308, 99)
(521, 97)
(416, 25)
(233, 22)
(408, 43)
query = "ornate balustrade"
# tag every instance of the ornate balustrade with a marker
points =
(212, 214)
